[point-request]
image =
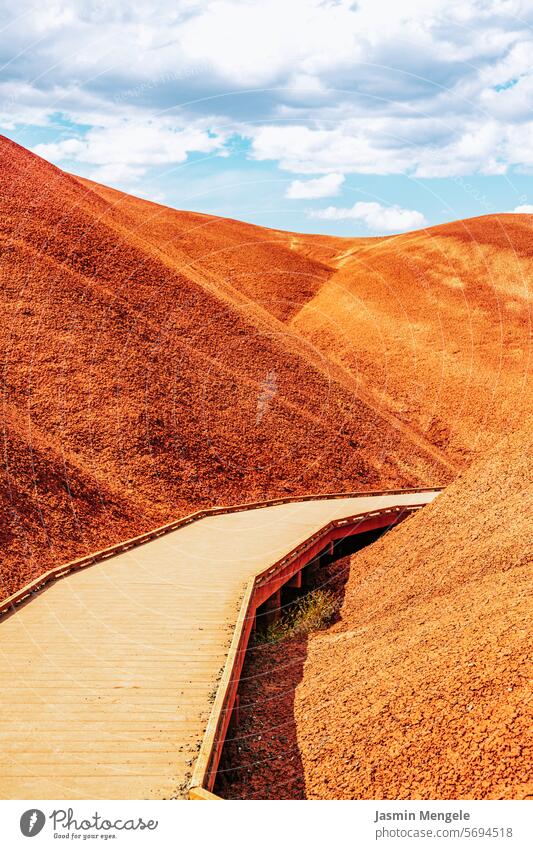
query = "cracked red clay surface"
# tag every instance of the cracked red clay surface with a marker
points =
(422, 689)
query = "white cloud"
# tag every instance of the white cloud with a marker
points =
(525, 208)
(117, 174)
(349, 147)
(322, 187)
(422, 147)
(378, 218)
(124, 150)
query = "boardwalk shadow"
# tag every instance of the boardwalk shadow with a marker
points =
(261, 758)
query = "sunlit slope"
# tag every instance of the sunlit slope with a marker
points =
(267, 275)
(432, 328)
(436, 327)
(422, 689)
(156, 386)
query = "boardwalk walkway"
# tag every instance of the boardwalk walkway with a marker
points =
(108, 675)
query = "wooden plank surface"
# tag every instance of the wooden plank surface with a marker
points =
(108, 676)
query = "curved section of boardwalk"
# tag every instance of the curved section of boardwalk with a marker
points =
(108, 676)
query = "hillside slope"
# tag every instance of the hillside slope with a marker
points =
(140, 384)
(435, 326)
(422, 688)
(432, 328)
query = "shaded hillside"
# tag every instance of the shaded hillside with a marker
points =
(421, 690)
(148, 385)
(263, 270)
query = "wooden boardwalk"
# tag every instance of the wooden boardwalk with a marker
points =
(108, 676)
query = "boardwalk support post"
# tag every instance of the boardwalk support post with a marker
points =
(270, 610)
(296, 581)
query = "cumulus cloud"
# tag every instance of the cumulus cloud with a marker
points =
(378, 218)
(348, 147)
(322, 187)
(525, 208)
(372, 87)
(421, 147)
(124, 150)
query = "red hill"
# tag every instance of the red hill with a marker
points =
(147, 371)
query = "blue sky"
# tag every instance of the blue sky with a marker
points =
(313, 115)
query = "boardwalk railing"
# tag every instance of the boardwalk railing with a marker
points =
(26, 592)
(257, 590)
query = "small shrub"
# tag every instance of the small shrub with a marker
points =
(310, 613)
(315, 611)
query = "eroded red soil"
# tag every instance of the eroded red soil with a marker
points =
(436, 327)
(422, 689)
(145, 373)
